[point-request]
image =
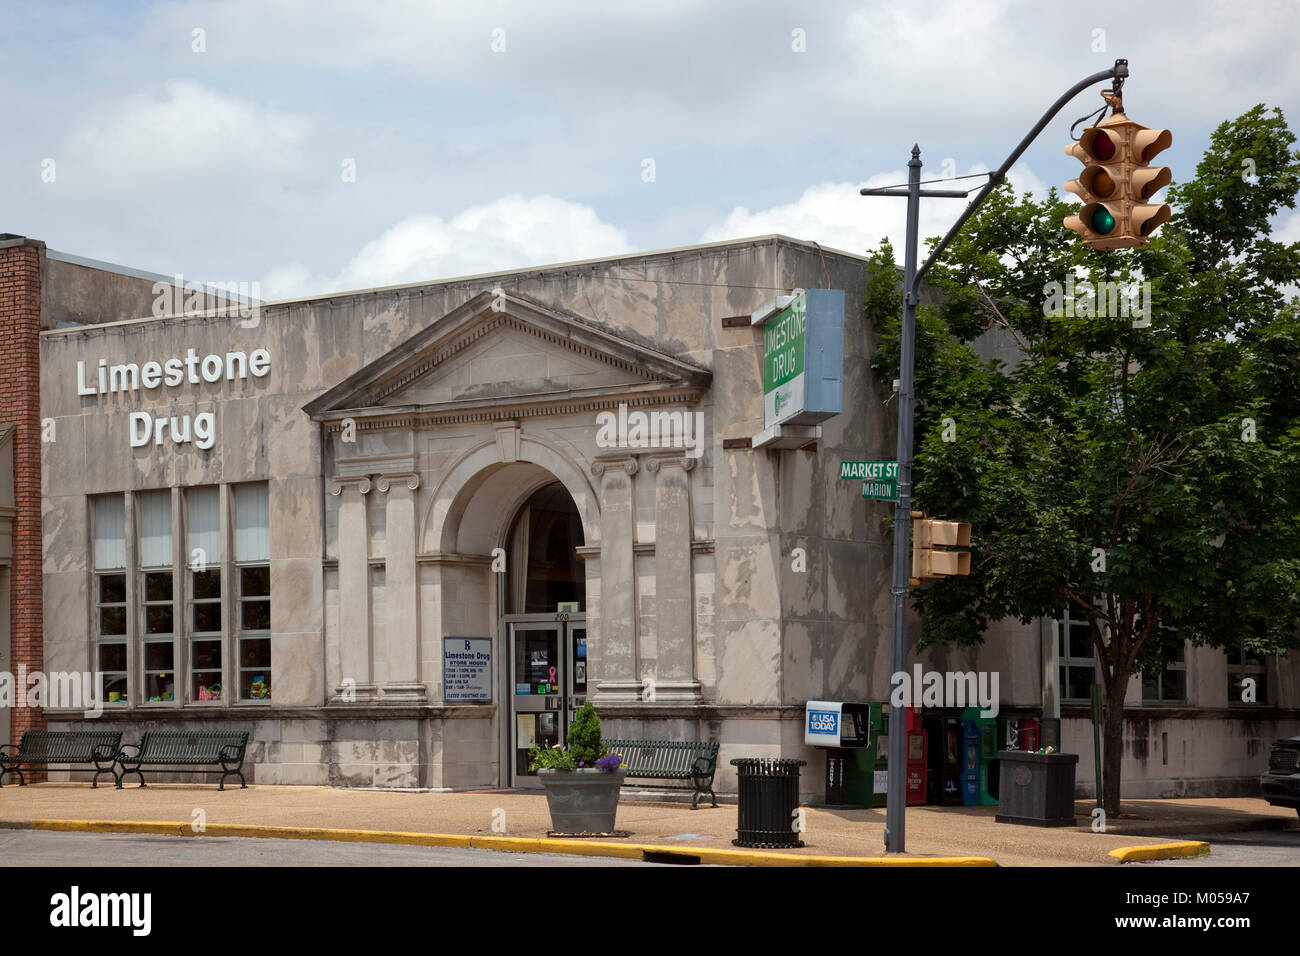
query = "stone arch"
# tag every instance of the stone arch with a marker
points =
(482, 467)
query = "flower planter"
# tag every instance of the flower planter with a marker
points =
(582, 801)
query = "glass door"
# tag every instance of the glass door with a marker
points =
(537, 666)
(548, 683)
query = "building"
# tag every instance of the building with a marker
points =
(400, 534)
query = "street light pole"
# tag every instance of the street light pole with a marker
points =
(896, 798)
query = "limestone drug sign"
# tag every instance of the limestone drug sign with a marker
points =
(803, 357)
(466, 668)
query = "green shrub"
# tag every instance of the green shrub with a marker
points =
(550, 758)
(584, 736)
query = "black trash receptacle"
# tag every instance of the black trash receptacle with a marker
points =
(1036, 789)
(769, 798)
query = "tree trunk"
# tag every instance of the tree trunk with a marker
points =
(1113, 742)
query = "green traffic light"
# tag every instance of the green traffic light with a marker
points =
(1102, 221)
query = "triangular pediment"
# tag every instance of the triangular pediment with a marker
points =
(502, 355)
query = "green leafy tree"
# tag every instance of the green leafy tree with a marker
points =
(1143, 467)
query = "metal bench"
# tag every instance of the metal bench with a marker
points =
(693, 760)
(182, 751)
(97, 747)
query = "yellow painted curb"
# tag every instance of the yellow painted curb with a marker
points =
(627, 851)
(1160, 851)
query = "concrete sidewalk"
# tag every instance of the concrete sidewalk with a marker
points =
(931, 831)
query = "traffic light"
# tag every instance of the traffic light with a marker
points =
(930, 540)
(1117, 182)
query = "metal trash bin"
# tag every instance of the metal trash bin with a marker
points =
(769, 801)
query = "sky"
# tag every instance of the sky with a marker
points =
(315, 147)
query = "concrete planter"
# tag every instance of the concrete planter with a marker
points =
(582, 801)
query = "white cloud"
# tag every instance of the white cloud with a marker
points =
(507, 233)
(193, 132)
(833, 214)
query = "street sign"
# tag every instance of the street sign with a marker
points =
(879, 478)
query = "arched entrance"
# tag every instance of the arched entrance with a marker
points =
(543, 623)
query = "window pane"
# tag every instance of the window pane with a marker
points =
(1081, 640)
(255, 685)
(207, 584)
(205, 686)
(159, 687)
(207, 618)
(158, 656)
(207, 654)
(154, 512)
(1079, 682)
(252, 523)
(109, 518)
(1150, 687)
(114, 688)
(112, 657)
(255, 582)
(112, 621)
(255, 653)
(203, 522)
(158, 619)
(1174, 685)
(255, 616)
(112, 589)
(158, 586)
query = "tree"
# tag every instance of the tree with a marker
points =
(1140, 461)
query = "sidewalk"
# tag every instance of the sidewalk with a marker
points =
(931, 831)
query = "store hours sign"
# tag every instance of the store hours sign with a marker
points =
(466, 668)
(803, 357)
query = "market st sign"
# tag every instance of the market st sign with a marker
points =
(803, 357)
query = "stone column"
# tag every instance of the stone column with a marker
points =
(674, 581)
(613, 659)
(401, 595)
(355, 674)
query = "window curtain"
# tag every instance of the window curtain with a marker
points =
(154, 512)
(203, 521)
(109, 516)
(252, 523)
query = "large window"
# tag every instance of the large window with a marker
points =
(1076, 654)
(154, 514)
(1167, 684)
(253, 557)
(108, 518)
(1243, 666)
(203, 554)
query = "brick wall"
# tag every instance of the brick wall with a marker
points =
(20, 401)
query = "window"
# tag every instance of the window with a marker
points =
(1169, 683)
(154, 514)
(1243, 665)
(252, 557)
(1076, 654)
(108, 518)
(203, 546)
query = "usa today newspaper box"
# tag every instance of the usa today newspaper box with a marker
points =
(855, 736)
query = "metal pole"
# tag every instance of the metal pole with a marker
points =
(897, 792)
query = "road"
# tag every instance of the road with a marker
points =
(47, 848)
(1250, 848)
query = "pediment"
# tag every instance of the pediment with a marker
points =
(502, 356)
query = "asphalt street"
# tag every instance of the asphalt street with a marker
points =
(44, 848)
(1250, 848)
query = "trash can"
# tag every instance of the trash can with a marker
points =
(769, 801)
(1036, 789)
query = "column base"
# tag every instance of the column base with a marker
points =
(404, 692)
(618, 691)
(355, 694)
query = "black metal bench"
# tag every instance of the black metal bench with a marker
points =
(97, 747)
(182, 751)
(693, 760)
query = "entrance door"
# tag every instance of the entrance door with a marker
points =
(548, 683)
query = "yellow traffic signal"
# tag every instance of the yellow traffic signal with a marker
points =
(930, 540)
(1117, 182)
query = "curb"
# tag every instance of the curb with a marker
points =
(627, 851)
(1160, 851)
